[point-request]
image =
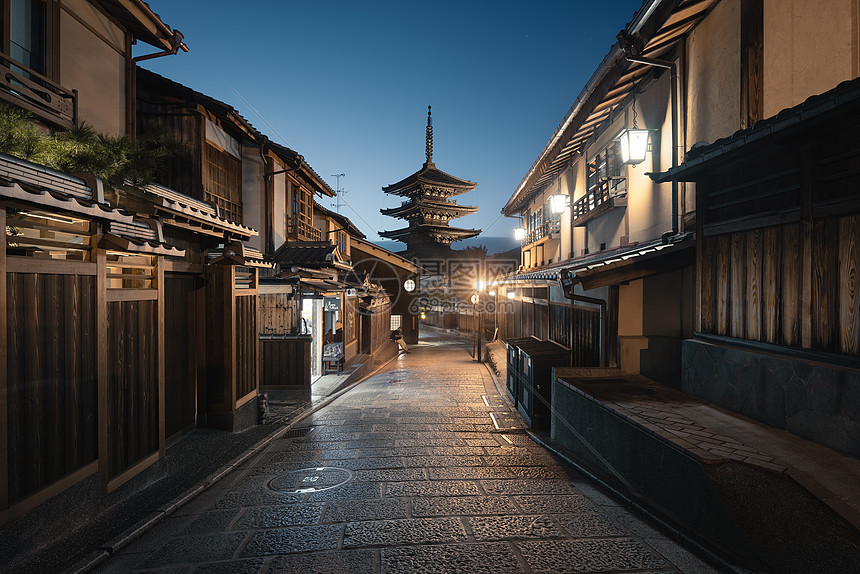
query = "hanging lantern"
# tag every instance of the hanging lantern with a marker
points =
(557, 203)
(634, 142)
(634, 145)
(519, 233)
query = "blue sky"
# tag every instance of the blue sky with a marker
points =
(347, 85)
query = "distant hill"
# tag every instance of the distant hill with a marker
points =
(493, 244)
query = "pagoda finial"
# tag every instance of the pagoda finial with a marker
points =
(428, 146)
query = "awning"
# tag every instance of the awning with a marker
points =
(634, 264)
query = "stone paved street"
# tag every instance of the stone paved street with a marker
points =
(406, 473)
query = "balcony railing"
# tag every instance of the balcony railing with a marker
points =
(545, 230)
(302, 231)
(32, 91)
(605, 195)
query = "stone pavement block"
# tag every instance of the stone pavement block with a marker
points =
(238, 499)
(589, 555)
(247, 566)
(385, 475)
(351, 561)
(432, 488)
(371, 463)
(443, 461)
(589, 525)
(519, 486)
(406, 531)
(349, 491)
(488, 558)
(352, 510)
(300, 514)
(211, 522)
(191, 549)
(462, 506)
(554, 504)
(514, 527)
(296, 539)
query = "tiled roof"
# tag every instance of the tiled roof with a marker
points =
(430, 175)
(814, 109)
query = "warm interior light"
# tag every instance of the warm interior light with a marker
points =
(492, 293)
(511, 294)
(634, 145)
(519, 233)
(558, 203)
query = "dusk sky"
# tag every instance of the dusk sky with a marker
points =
(347, 85)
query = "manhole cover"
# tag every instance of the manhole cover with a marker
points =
(311, 479)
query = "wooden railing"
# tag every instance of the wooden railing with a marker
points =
(545, 230)
(302, 231)
(32, 91)
(602, 194)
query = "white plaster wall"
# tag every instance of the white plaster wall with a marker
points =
(809, 48)
(253, 196)
(95, 68)
(279, 214)
(713, 77)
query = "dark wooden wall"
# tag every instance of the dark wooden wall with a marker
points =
(181, 356)
(285, 363)
(51, 376)
(752, 285)
(246, 334)
(133, 417)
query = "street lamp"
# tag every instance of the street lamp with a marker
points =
(409, 285)
(557, 203)
(519, 233)
(634, 145)
(634, 142)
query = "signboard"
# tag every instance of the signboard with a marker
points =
(331, 304)
(333, 351)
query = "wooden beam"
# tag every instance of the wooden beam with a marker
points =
(160, 359)
(4, 449)
(102, 372)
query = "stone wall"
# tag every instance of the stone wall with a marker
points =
(815, 400)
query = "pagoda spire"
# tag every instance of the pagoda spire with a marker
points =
(428, 145)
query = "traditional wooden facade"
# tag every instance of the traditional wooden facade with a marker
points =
(82, 284)
(659, 262)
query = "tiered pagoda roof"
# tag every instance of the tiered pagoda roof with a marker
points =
(428, 207)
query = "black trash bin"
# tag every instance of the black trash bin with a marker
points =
(536, 360)
(512, 377)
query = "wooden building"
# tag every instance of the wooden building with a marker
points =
(83, 303)
(653, 266)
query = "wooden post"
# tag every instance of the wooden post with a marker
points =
(102, 373)
(4, 448)
(160, 372)
(806, 244)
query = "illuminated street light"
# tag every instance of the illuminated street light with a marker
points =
(519, 233)
(558, 203)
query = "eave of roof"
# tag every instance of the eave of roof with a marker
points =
(656, 27)
(348, 225)
(430, 175)
(700, 160)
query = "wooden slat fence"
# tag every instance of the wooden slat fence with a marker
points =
(132, 385)
(246, 344)
(51, 379)
(752, 283)
(181, 353)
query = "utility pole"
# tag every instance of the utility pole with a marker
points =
(339, 193)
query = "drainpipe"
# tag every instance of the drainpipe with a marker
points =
(626, 42)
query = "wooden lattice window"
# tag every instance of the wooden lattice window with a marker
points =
(222, 185)
(130, 271)
(300, 219)
(47, 235)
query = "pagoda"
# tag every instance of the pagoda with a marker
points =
(428, 207)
